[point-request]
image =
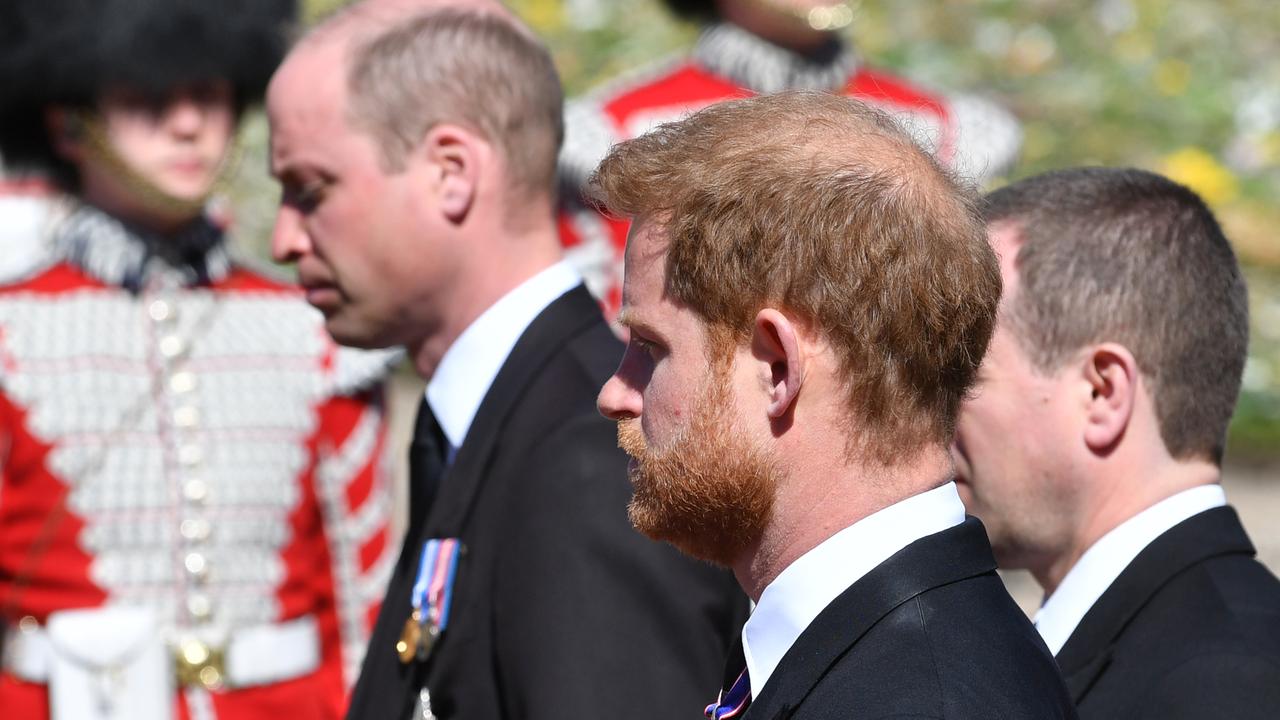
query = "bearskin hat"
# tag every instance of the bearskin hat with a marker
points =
(65, 52)
(701, 10)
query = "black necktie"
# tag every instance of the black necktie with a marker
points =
(426, 463)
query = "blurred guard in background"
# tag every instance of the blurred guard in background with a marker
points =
(193, 520)
(751, 47)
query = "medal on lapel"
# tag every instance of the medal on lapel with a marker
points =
(407, 646)
(431, 599)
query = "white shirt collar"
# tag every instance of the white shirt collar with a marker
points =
(1103, 562)
(472, 362)
(807, 586)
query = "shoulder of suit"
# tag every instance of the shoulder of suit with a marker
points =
(974, 630)
(1213, 684)
(1224, 598)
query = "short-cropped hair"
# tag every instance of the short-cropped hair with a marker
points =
(823, 207)
(1128, 256)
(477, 69)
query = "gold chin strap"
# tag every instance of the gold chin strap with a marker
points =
(94, 134)
(823, 18)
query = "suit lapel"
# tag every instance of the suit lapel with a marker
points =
(1081, 680)
(544, 337)
(1087, 653)
(945, 557)
(388, 688)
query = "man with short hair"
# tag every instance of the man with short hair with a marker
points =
(803, 325)
(417, 153)
(1092, 447)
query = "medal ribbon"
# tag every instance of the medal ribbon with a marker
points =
(733, 703)
(433, 588)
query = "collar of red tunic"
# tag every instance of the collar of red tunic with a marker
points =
(126, 256)
(757, 64)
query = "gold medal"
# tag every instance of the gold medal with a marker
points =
(410, 638)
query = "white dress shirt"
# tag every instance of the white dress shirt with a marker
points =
(472, 362)
(1103, 562)
(807, 586)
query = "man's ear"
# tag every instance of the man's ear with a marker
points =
(1110, 373)
(455, 155)
(66, 133)
(775, 341)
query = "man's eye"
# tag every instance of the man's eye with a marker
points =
(305, 197)
(646, 346)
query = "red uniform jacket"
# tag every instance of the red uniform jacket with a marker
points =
(974, 137)
(192, 442)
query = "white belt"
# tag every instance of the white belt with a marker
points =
(257, 655)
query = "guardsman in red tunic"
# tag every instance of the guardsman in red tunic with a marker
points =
(193, 512)
(750, 47)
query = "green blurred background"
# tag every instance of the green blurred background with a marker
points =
(1189, 88)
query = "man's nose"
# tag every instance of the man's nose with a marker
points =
(289, 240)
(618, 400)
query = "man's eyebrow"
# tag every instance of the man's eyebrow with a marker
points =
(630, 319)
(636, 323)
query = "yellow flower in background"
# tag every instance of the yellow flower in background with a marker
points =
(1134, 47)
(1271, 148)
(1172, 77)
(544, 16)
(1201, 171)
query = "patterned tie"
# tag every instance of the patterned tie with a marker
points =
(732, 703)
(426, 462)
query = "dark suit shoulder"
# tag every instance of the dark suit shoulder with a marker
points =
(1194, 602)
(1229, 604)
(1206, 638)
(1215, 685)
(963, 650)
(989, 660)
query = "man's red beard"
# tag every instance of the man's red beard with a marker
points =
(710, 494)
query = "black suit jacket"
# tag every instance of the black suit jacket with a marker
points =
(929, 633)
(561, 609)
(1190, 629)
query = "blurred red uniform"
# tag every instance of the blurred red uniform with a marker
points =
(193, 445)
(975, 137)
